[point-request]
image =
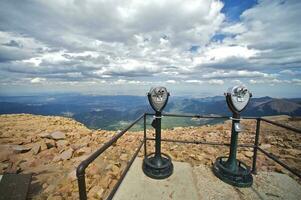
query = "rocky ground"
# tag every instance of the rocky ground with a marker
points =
(52, 147)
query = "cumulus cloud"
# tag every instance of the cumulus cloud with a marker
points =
(126, 39)
(237, 74)
(290, 72)
(216, 82)
(171, 81)
(297, 81)
(270, 81)
(37, 80)
(234, 29)
(273, 29)
(194, 81)
(143, 42)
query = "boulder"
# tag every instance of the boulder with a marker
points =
(173, 147)
(4, 166)
(82, 151)
(4, 155)
(114, 171)
(19, 148)
(30, 164)
(13, 169)
(49, 189)
(193, 156)
(58, 135)
(93, 169)
(57, 197)
(49, 143)
(78, 145)
(279, 168)
(36, 149)
(66, 155)
(72, 175)
(265, 146)
(62, 143)
(28, 140)
(44, 135)
(79, 159)
(96, 192)
(43, 145)
(248, 154)
(124, 157)
(85, 140)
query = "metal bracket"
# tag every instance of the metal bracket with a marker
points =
(237, 119)
(158, 117)
(238, 128)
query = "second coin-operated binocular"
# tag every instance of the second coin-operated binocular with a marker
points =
(158, 98)
(237, 98)
(157, 165)
(229, 169)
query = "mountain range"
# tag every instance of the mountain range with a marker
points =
(115, 112)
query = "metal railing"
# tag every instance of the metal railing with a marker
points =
(80, 172)
(268, 154)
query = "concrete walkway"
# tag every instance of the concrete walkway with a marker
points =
(136, 185)
(266, 185)
(199, 183)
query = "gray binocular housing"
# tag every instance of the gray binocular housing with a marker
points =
(237, 98)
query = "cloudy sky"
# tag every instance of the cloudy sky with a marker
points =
(193, 47)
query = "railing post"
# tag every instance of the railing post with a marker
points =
(80, 173)
(144, 135)
(255, 148)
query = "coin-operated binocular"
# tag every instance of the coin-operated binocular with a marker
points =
(157, 165)
(229, 169)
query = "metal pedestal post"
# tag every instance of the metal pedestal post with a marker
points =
(229, 169)
(157, 165)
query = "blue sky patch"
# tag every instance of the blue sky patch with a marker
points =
(234, 8)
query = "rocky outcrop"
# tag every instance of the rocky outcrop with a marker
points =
(52, 147)
(56, 135)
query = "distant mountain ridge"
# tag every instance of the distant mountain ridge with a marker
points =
(263, 106)
(272, 106)
(109, 112)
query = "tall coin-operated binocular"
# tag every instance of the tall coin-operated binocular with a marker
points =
(237, 98)
(158, 98)
(157, 165)
(229, 169)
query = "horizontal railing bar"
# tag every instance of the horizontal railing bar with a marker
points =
(274, 158)
(281, 125)
(195, 116)
(202, 142)
(199, 116)
(248, 117)
(191, 116)
(114, 190)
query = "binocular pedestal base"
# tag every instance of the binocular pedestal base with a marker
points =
(157, 167)
(241, 177)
